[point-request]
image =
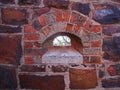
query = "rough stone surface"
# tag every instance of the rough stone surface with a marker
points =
(111, 82)
(82, 8)
(59, 68)
(32, 68)
(7, 1)
(14, 16)
(8, 77)
(57, 4)
(42, 82)
(11, 51)
(107, 14)
(82, 79)
(29, 2)
(8, 29)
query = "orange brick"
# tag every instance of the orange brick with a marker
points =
(66, 15)
(59, 16)
(76, 28)
(42, 20)
(29, 29)
(96, 28)
(69, 27)
(96, 44)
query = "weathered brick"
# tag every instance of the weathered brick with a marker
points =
(14, 16)
(42, 20)
(88, 51)
(29, 60)
(107, 14)
(82, 8)
(32, 68)
(7, 1)
(8, 78)
(31, 36)
(86, 59)
(96, 43)
(96, 28)
(42, 82)
(76, 28)
(95, 59)
(29, 29)
(37, 44)
(29, 2)
(101, 73)
(82, 79)
(111, 82)
(77, 19)
(59, 16)
(57, 4)
(39, 11)
(28, 44)
(11, 51)
(114, 69)
(50, 18)
(69, 27)
(66, 16)
(8, 29)
(46, 31)
(59, 68)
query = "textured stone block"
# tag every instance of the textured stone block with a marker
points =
(83, 79)
(8, 78)
(59, 68)
(32, 68)
(107, 14)
(82, 8)
(10, 51)
(14, 16)
(7, 1)
(42, 82)
(29, 2)
(111, 83)
(8, 29)
(57, 3)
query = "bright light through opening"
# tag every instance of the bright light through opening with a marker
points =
(62, 41)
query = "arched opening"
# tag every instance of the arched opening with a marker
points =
(64, 48)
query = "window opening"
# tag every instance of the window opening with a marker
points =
(62, 41)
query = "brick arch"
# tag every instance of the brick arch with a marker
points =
(57, 20)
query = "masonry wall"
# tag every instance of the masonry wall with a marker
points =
(25, 27)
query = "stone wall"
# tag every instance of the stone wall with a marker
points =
(27, 28)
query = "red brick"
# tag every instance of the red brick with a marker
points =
(96, 44)
(66, 16)
(76, 28)
(112, 70)
(46, 30)
(42, 82)
(29, 60)
(10, 49)
(83, 78)
(28, 44)
(42, 20)
(96, 28)
(31, 36)
(14, 16)
(29, 29)
(59, 16)
(69, 27)
(87, 24)
(86, 59)
(74, 17)
(95, 59)
(37, 44)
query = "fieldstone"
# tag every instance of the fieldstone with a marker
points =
(57, 3)
(42, 82)
(82, 79)
(14, 16)
(107, 14)
(111, 83)
(11, 50)
(82, 8)
(8, 29)
(8, 78)
(29, 2)
(32, 68)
